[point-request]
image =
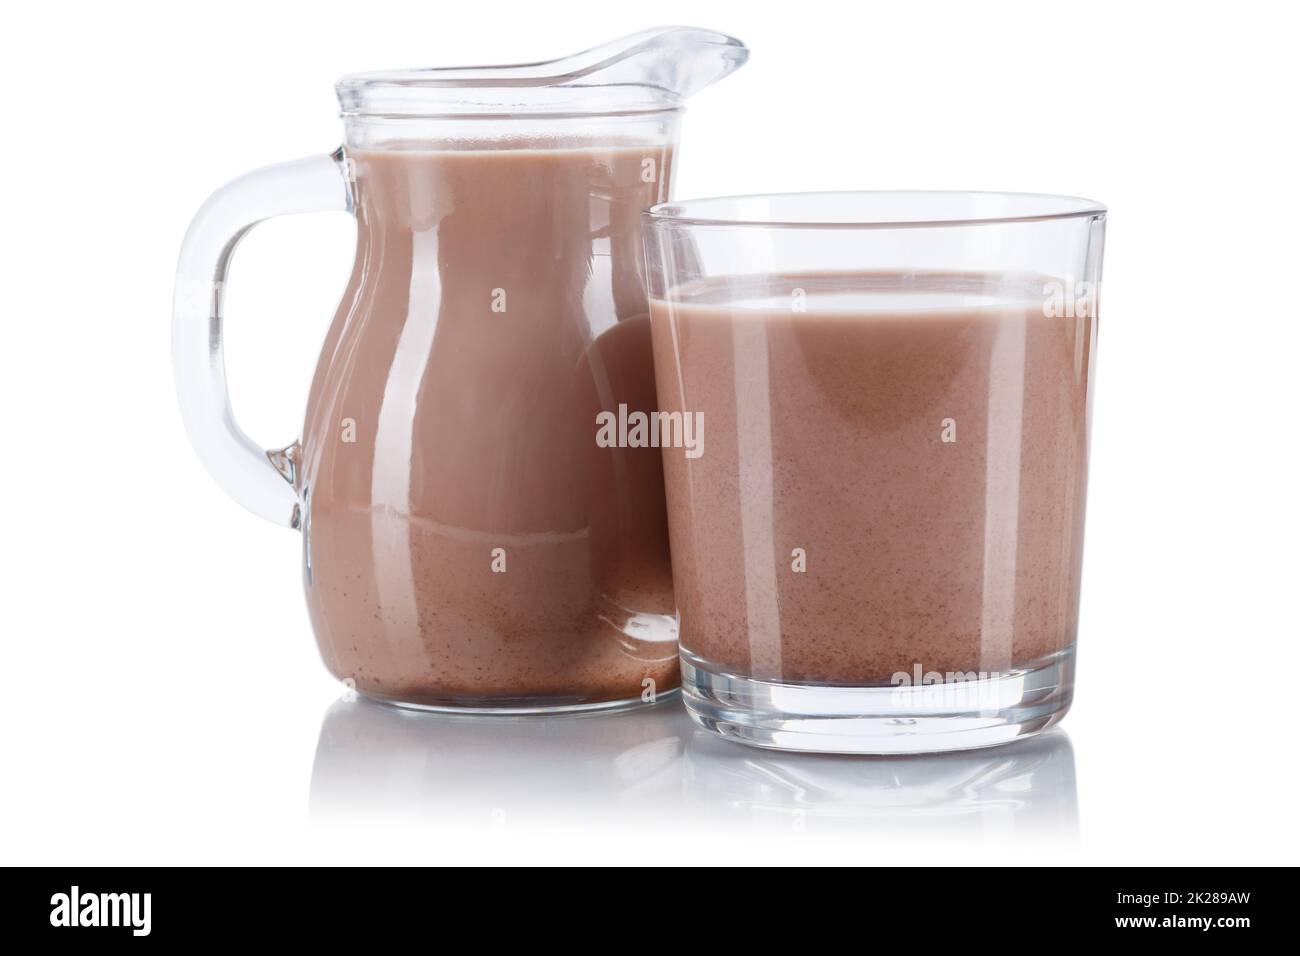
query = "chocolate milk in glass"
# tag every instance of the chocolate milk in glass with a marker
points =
(914, 444)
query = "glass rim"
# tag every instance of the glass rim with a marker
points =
(520, 115)
(851, 209)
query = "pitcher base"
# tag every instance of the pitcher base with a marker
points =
(522, 706)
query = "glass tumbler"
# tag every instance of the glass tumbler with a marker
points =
(874, 414)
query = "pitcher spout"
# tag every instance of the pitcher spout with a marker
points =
(675, 61)
(656, 69)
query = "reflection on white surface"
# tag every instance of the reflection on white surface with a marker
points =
(373, 759)
(653, 764)
(1022, 789)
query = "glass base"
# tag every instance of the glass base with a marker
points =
(925, 718)
(523, 706)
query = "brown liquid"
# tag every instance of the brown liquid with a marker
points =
(474, 430)
(825, 433)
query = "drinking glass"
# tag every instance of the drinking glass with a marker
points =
(877, 522)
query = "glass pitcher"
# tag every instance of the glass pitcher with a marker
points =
(469, 542)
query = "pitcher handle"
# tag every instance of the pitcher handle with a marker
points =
(260, 480)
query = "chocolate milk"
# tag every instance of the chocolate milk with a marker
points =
(467, 542)
(921, 441)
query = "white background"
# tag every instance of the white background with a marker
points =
(163, 696)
